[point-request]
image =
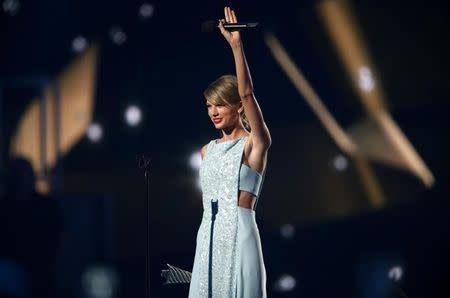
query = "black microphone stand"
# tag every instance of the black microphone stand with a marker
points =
(144, 164)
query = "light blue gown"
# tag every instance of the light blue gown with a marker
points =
(228, 258)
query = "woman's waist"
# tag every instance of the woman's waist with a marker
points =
(229, 215)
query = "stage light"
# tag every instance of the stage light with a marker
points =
(340, 163)
(146, 11)
(133, 115)
(365, 79)
(11, 7)
(100, 282)
(287, 231)
(195, 160)
(285, 283)
(395, 273)
(117, 35)
(95, 132)
(79, 44)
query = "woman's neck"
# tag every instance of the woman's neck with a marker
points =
(236, 133)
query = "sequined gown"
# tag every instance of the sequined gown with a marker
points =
(228, 258)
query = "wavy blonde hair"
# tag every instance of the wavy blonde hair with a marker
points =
(224, 91)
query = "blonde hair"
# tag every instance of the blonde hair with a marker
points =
(224, 91)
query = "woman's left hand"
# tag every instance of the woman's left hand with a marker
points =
(233, 37)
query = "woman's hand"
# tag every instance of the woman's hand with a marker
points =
(233, 37)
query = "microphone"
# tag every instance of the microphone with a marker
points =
(208, 26)
(144, 162)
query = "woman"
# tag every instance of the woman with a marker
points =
(228, 259)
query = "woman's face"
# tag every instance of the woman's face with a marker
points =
(223, 116)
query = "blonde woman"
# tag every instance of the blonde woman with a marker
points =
(228, 259)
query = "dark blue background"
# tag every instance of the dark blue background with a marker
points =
(341, 243)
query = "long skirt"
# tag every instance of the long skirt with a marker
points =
(250, 269)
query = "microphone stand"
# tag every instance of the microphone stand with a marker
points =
(144, 164)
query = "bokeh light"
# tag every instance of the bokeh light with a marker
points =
(365, 79)
(117, 35)
(285, 283)
(79, 44)
(146, 10)
(133, 115)
(95, 132)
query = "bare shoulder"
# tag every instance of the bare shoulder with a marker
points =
(203, 150)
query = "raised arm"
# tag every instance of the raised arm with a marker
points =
(260, 134)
